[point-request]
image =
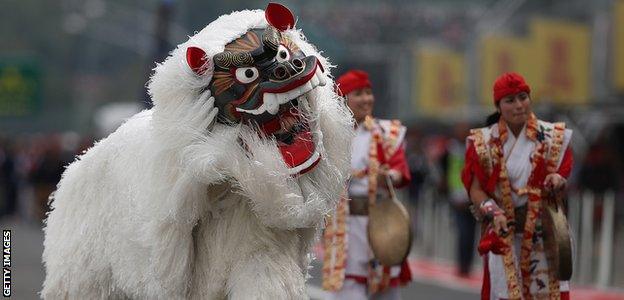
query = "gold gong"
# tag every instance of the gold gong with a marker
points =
(557, 239)
(389, 230)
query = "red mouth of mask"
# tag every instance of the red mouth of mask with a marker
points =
(294, 137)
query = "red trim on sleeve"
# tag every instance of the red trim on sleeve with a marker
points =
(566, 163)
(398, 162)
(472, 168)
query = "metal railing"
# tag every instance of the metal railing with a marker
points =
(594, 237)
(592, 220)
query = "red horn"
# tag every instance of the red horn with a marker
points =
(279, 16)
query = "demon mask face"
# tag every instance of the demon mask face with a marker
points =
(262, 79)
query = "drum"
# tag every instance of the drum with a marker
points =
(389, 230)
(557, 238)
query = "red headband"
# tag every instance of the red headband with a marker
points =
(509, 84)
(351, 81)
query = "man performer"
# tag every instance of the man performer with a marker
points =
(378, 151)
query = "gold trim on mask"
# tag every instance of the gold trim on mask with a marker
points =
(227, 59)
(272, 38)
(238, 52)
(222, 82)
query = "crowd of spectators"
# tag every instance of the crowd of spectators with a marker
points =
(31, 167)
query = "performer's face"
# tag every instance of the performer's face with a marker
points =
(515, 109)
(361, 103)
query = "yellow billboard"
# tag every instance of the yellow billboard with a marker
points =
(501, 54)
(440, 81)
(618, 44)
(562, 54)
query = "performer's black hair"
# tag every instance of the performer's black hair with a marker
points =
(492, 119)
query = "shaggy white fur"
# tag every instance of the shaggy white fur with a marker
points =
(170, 206)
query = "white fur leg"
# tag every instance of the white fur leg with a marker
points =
(265, 276)
(171, 239)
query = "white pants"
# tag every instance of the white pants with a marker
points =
(351, 290)
(358, 249)
(358, 256)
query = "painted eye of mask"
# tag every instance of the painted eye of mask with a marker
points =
(246, 75)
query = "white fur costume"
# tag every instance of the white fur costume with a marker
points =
(170, 206)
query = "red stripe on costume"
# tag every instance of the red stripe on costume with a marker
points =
(490, 186)
(565, 296)
(358, 279)
(485, 288)
(539, 172)
(566, 163)
(406, 274)
(381, 155)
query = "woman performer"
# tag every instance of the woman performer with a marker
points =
(519, 163)
(349, 269)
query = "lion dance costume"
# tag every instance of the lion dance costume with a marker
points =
(219, 189)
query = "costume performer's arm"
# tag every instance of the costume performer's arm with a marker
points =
(179, 198)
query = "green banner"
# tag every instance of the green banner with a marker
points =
(20, 88)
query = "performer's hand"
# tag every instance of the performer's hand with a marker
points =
(183, 124)
(500, 224)
(382, 172)
(554, 182)
(205, 112)
(490, 210)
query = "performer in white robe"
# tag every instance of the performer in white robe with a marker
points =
(516, 161)
(347, 269)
